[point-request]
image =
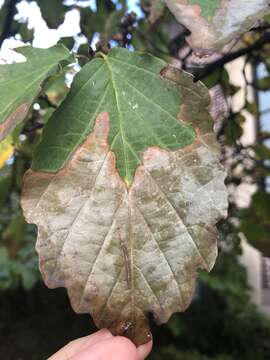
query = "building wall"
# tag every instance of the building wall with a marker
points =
(258, 267)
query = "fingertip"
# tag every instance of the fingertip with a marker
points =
(78, 345)
(144, 350)
(115, 348)
(126, 348)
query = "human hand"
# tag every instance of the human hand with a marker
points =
(102, 345)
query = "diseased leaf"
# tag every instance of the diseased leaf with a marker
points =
(20, 83)
(141, 104)
(124, 252)
(214, 23)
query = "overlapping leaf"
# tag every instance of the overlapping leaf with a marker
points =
(53, 13)
(21, 83)
(126, 251)
(214, 23)
(155, 9)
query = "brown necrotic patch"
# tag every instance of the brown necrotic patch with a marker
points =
(216, 25)
(13, 120)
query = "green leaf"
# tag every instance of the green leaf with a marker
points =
(142, 106)
(14, 234)
(56, 89)
(256, 222)
(5, 184)
(208, 7)
(112, 24)
(21, 83)
(27, 35)
(262, 151)
(264, 83)
(68, 42)
(261, 204)
(3, 14)
(233, 128)
(29, 277)
(100, 21)
(252, 108)
(154, 8)
(53, 14)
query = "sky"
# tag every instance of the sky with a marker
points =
(45, 37)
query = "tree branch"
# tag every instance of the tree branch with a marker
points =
(201, 73)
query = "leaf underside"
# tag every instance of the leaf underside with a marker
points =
(124, 252)
(215, 23)
(20, 83)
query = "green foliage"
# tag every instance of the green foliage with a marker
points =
(264, 83)
(171, 353)
(106, 20)
(3, 14)
(18, 260)
(233, 128)
(215, 321)
(154, 8)
(255, 223)
(52, 13)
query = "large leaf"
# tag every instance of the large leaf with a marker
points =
(124, 252)
(142, 107)
(21, 83)
(214, 23)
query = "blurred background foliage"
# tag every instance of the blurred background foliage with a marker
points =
(221, 323)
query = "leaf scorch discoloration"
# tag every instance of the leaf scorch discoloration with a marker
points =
(129, 87)
(215, 23)
(124, 252)
(20, 83)
(13, 120)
